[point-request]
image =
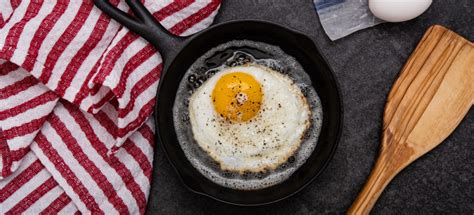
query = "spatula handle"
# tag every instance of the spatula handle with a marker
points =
(379, 178)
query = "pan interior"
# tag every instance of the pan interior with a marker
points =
(230, 54)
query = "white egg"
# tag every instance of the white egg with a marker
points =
(398, 10)
(261, 142)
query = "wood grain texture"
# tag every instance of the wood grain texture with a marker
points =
(431, 96)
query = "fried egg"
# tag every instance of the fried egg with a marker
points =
(249, 118)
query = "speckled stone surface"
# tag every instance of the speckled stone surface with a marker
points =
(366, 64)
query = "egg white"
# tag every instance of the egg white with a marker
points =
(264, 142)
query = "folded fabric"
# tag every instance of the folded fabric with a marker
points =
(340, 18)
(76, 94)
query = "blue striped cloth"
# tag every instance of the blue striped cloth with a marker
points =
(340, 18)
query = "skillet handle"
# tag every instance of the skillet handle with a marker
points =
(144, 24)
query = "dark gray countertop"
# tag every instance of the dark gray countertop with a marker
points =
(366, 64)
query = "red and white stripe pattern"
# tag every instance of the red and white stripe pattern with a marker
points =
(79, 161)
(76, 94)
(32, 190)
(25, 105)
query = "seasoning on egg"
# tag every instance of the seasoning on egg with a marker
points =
(249, 117)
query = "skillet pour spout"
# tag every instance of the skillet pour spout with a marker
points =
(293, 43)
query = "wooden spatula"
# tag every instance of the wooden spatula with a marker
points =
(433, 93)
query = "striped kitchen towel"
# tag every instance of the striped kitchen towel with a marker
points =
(76, 94)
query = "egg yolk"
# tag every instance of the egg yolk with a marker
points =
(237, 96)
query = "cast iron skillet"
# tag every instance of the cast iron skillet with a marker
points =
(293, 43)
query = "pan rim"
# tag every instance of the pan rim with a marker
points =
(338, 132)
